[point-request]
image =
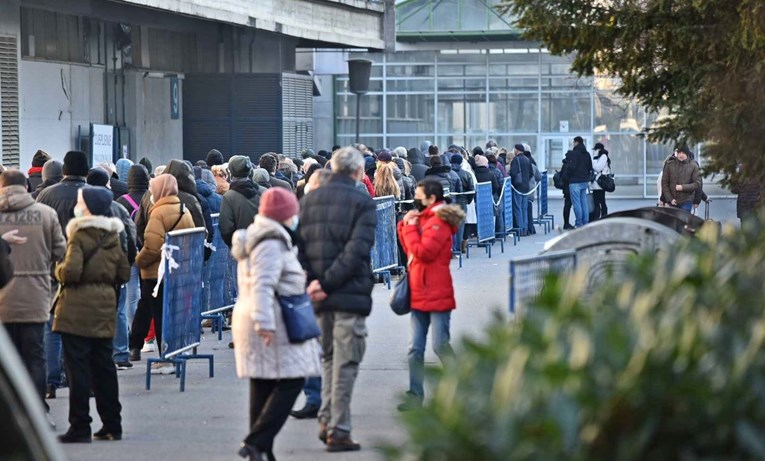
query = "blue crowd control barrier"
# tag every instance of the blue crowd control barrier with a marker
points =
(215, 281)
(527, 276)
(506, 223)
(484, 207)
(543, 217)
(385, 250)
(183, 261)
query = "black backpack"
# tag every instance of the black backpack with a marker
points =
(558, 180)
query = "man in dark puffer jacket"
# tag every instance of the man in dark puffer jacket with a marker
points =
(337, 232)
(240, 204)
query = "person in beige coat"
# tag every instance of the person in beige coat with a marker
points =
(26, 301)
(268, 265)
(167, 214)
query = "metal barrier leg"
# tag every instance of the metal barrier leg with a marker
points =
(221, 321)
(180, 369)
(148, 373)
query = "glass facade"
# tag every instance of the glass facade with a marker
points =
(467, 97)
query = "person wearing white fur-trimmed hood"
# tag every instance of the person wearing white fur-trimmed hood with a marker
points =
(92, 269)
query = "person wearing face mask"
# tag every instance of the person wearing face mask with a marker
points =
(426, 235)
(167, 214)
(92, 269)
(268, 265)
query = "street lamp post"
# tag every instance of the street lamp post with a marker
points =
(358, 79)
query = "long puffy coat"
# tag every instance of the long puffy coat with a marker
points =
(268, 265)
(429, 245)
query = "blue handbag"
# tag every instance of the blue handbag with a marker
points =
(299, 318)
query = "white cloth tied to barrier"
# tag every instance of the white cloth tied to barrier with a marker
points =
(210, 246)
(167, 256)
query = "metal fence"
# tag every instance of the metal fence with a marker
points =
(527, 276)
(182, 277)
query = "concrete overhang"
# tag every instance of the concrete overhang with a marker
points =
(338, 23)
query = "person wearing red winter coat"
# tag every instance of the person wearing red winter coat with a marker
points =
(426, 236)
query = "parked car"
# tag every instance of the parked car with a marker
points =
(26, 434)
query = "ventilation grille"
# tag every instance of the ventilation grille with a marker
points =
(297, 107)
(9, 101)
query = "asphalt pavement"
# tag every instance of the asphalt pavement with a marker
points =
(209, 419)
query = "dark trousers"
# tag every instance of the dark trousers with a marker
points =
(148, 307)
(89, 365)
(566, 206)
(532, 229)
(270, 403)
(601, 210)
(29, 340)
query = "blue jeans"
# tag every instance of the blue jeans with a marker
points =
(52, 355)
(120, 342)
(420, 321)
(579, 203)
(312, 389)
(133, 294)
(687, 206)
(521, 212)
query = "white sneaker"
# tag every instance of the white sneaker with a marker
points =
(162, 369)
(149, 346)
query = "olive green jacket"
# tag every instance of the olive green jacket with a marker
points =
(93, 269)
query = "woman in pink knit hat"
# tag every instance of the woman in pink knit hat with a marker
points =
(268, 265)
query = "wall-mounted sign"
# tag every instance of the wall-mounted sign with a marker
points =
(175, 99)
(101, 143)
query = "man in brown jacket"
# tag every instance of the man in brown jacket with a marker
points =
(26, 301)
(680, 180)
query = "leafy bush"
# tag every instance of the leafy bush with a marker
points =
(665, 363)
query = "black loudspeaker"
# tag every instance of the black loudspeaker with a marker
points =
(358, 75)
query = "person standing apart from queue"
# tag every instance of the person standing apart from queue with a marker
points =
(576, 172)
(426, 234)
(680, 180)
(92, 271)
(268, 265)
(337, 232)
(601, 165)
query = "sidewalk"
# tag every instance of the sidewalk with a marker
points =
(208, 421)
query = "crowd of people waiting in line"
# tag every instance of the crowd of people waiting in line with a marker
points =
(89, 240)
(83, 282)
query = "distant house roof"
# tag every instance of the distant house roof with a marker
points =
(453, 20)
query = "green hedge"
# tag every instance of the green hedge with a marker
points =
(664, 363)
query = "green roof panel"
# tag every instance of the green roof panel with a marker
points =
(456, 19)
